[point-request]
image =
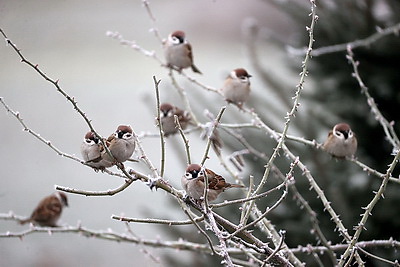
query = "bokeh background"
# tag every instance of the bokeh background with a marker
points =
(113, 85)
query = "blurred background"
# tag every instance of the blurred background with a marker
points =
(113, 85)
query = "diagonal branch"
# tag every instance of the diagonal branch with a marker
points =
(354, 44)
(387, 127)
(368, 210)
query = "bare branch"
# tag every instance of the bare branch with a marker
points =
(357, 43)
(156, 84)
(215, 124)
(387, 127)
(368, 210)
(185, 140)
(109, 192)
(156, 221)
(277, 249)
(296, 104)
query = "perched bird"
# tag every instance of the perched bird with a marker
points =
(121, 144)
(91, 149)
(341, 141)
(178, 52)
(48, 211)
(167, 113)
(236, 88)
(193, 182)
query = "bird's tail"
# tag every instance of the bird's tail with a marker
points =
(195, 69)
(24, 221)
(237, 185)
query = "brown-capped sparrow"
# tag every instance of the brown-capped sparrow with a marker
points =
(167, 113)
(193, 182)
(178, 52)
(121, 144)
(236, 88)
(91, 149)
(48, 211)
(341, 141)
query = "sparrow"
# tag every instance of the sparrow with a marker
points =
(91, 149)
(167, 112)
(48, 211)
(341, 141)
(193, 182)
(236, 88)
(178, 52)
(121, 144)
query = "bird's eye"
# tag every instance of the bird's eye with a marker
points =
(338, 134)
(175, 40)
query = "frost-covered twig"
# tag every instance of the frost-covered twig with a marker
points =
(354, 44)
(386, 125)
(368, 210)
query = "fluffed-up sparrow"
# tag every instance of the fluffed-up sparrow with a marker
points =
(167, 113)
(121, 144)
(341, 141)
(178, 52)
(193, 182)
(236, 88)
(91, 150)
(48, 211)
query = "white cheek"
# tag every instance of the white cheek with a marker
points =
(174, 40)
(339, 135)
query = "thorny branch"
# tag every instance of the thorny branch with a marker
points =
(357, 43)
(387, 127)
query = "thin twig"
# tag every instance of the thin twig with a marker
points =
(357, 43)
(132, 44)
(65, 95)
(185, 140)
(145, 158)
(157, 221)
(267, 210)
(392, 263)
(338, 247)
(17, 115)
(368, 210)
(182, 94)
(55, 83)
(222, 243)
(186, 210)
(109, 192)
(162, 140)
(248, 198)
(282, 233)
(387, 127)
(293, 111)
(209, 141)
(146, 4)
